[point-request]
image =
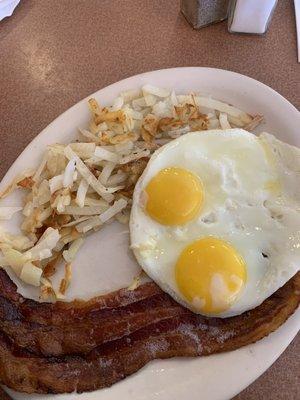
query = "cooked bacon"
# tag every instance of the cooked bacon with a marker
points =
(134, 327)
(78, 327)
(186, 335)
(61, 313)
(82, 337)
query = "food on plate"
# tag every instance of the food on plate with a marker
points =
(79, 326)
(81, 186)
(196, 186)
(215, 219)
(186, 335)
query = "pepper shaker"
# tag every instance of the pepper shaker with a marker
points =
(200, 13)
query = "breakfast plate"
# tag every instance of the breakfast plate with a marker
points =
(105, 263)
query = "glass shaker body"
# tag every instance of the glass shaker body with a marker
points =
(200, 13)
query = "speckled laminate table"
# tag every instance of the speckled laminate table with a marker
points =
(55, 52)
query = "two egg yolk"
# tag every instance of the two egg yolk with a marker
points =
(209, 272)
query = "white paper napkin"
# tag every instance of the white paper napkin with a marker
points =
(7, 7)
(297, 15)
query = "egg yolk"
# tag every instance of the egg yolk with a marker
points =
(174, 196)
(210, 274)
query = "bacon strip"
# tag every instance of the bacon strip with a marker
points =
(81, 337)
(64, 312)
(185, 335)
(78, 327)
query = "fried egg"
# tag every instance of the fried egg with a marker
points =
(215, 219)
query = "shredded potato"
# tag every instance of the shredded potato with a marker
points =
(137, 280)
(81, 186)
(14, 184)
(46, 290)
(8, 212)
(31, 274)
(65, 282)
(51, 266)
(224, 121)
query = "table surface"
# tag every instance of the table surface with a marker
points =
(54, 53)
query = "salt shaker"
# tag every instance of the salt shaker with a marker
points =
(250, 16)
(200, 13)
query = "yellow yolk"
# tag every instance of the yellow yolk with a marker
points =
(174, 196)
(210, 274)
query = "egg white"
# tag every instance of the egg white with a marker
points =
(252, 201)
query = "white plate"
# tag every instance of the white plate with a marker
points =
(215, 377)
